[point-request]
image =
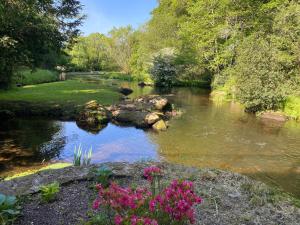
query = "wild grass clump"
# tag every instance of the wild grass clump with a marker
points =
(38, 76)
(49, 192)
(82, 158)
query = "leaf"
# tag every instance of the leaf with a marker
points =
(10, 200)
(11, 211)
(2, 199)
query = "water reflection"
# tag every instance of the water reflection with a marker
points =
(29, 142)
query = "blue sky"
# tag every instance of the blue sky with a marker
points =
(103, 15)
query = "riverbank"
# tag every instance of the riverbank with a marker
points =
(60, 100)
(290, 109)
(228, 198)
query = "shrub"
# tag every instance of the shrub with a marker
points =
(262, 83)
(103, 174)
(9, 210)
(172, 205)
(38, 76)
(49, 192)
(164, 69)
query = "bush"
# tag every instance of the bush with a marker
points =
(164, 69)
(49, 192)
(28, 77)
(261, 82)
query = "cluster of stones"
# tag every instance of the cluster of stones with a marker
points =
(93, 118)
(146, 112)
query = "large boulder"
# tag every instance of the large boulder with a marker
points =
(93, 118)
(134, 117)
(151, 118)
(125, 91)
(159, 103)
(160, 126)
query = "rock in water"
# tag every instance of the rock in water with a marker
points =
(125, 91)
(161, 103)
(152, 118)
(93, 118)
(159, 126)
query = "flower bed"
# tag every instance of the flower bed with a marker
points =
(138, 206)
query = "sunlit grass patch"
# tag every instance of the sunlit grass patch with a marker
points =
(33, 171)
(75, 91)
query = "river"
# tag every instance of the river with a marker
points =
(206, 135)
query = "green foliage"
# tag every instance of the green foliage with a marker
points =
(261, 84)
(49, 192)
(164, 69)
(100, 218)
(91, 53)
(38, 76)
(103, 173)
(82, 159)
(292, 107)
(31, 31)
(9, 210)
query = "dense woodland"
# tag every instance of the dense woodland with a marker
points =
(248, 50)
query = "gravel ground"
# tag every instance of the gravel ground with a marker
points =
(229, 198)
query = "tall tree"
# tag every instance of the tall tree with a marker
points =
(31, 29)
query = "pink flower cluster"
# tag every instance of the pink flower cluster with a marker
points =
(135, 220)
(177, 200)
(120, 199)
(141, 207)
(151, 172)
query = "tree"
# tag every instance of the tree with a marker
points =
(31, 29)
(121, 46)
(164, 69)
(91, 53)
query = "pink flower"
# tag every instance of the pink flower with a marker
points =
(96, 204)
(118, 219)
(151, 171)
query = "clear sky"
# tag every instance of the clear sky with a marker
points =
(103, 15)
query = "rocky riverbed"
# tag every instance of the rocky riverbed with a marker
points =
(228, 198)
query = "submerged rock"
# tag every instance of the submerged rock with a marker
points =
(275, 116)
(125, 91)
(143, 84)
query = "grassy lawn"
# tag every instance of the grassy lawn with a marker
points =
(74, 91)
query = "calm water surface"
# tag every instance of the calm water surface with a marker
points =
(207, 135)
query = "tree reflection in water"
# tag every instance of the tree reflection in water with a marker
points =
(26, 143)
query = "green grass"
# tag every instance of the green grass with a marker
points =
(28, 77)
(64, 92)
(292, 107)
